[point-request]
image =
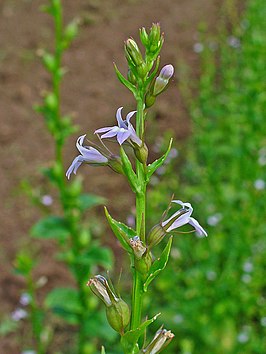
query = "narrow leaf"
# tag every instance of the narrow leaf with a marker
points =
(102, 350)
(124, 81)
(130, 338)
(157, 163)
(128, 170)
(159, 264)
(121, 231)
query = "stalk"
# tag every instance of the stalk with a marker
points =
(137, 292)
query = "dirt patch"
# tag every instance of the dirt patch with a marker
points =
(90, 91)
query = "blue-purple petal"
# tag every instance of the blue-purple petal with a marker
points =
(122, 136)
(193, 222)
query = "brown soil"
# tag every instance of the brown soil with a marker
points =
(90, 91)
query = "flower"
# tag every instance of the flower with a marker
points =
(88, 155)
(123, 131)
(183, 217)
(162, 80)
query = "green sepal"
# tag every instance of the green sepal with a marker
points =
(151, 168)
(128, 170)
(159, 264)
(124, 81)
(51, 227)
(129, 339)
(121, 231)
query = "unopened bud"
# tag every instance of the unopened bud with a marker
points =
(131, 77)
(149, 100)
(133, 53)
(141, 153)
(114, 162)
(156, 235)
(161, 339)
(162, 80)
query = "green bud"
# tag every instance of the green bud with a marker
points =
(118, 316)
(149, 100)
(131, 77)
(133, 54)
(114, 162)
(141, 153)
(51, 101)
(156, 235)
(143, 264)
(144, 36)
(162, 80)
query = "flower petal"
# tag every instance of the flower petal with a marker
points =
(119, 117)
(103, 130)
(182, 220)
(122, 136)
(197, 226)
(129, 115)
(113, 132)
(74, 166)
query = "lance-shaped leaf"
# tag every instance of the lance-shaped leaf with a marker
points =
(129, 340)
(151, 168)
(124, 81)
(158, 265)
(121, 231)
(51, 227)
(128, 170)
(102, 350)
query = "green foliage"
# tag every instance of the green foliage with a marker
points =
(51, 227)
(218, 306)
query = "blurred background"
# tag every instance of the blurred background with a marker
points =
(212, 294)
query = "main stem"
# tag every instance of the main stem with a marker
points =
(137, 291)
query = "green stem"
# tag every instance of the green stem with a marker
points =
(137, 292)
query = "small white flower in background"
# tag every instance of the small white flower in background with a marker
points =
(246, 278)
(131, 220)
(28, 352)
(25, 299)
(19, 314)
(242, 337)
(47, 200)
(234, 42)
(213, 220)
(259, 184)
(248, 267)
(178, 318)
(198, 47)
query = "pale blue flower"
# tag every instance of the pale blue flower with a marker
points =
(183, 217)
(88, 155)
(123, 131)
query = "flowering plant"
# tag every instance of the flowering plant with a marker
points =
(146, 84)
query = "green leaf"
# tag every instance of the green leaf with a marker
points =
(87, 201)
(50, 227)
(121, 231)
(65, 303)
(157, 163)
(96, 255)
(102, 350)
(159, 264)
(130, 338)
(124, 81)
(128, 170)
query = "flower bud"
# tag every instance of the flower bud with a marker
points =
(161, 339)
(144, 36)
(149, 100)
(118, 316)
(114, 162)
(162, 80)
(131, 77)
(141, 153)
(133, 54)
(156, 235)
